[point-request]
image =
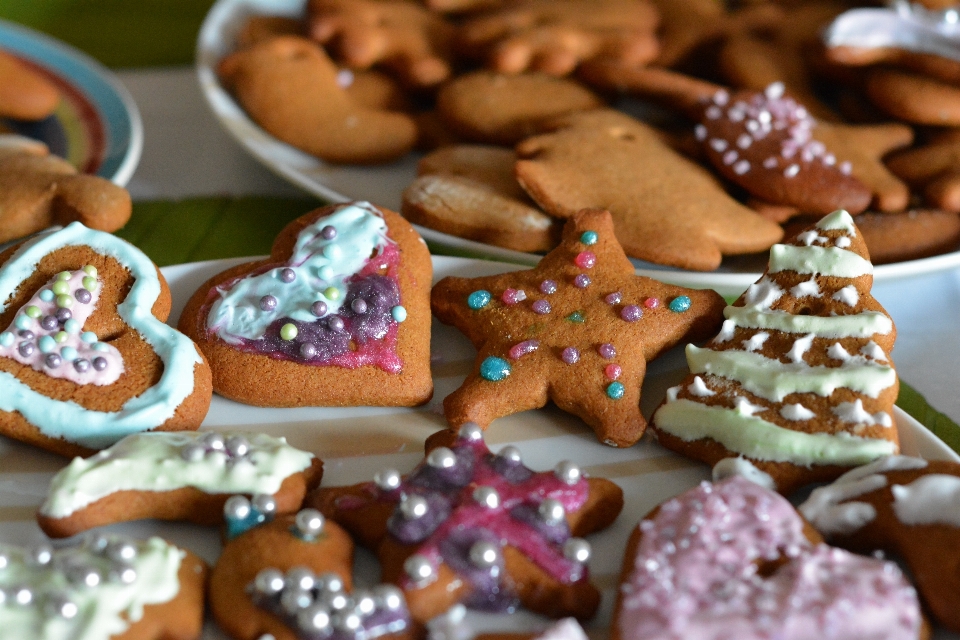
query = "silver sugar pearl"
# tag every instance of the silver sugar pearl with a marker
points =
(60, 605)
(264, 503)
(359, 306)
(551, 511)
(123, 573)
(83, 576)
(510, 453)
(390, 597)
(294, 600)
(308, 350)
(269, 582)
(388, 479)
(330, 582)
(315, 618)
(21, 595)
(300, 578)
(471, 431)
(237, 446)
(484, 554)
(576, 550)
(213, 441)
(348, 621)
(441, 458)
(418, 568)
(236, 508)
(309, 522)
(287, 275)
(42, 554)
(268, 303)
(487, 496)
(121, 551)
(335, 600)
(364, 603)
(568, 472)
(319, 308)
(193, 452)
(413, 506)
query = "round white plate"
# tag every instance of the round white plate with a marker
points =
(96, 126)
(384, 184)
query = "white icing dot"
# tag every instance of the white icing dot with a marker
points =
(763, 293)
(774, 91)
(756, 341)
(721, 97)
(672, 394)
(699, 388)
(796, 411)
(746, 408)
(809, 237)
(807, 289)
(741, 167)
(770, 163)
(846, 168)
(719, 145)
(726, 331)
(873, 350)
(800, 347)
(837, 352)
(713, 112)
(791, 171)
(854, 413)
(730, 157)
(700, 132)
(848, 295)
(744, 141)
(843, 242)
(744, 468)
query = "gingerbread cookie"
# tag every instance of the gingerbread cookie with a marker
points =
(177, 476)
(554, 36)
(103, 587)
(38, 190)
(290, 87)
(404, 37)
(799, 380)
(85, 356)
(338, 315)
(933, 170)
(291, 579)
(25, 94)
(666, 209)
(578, 330)
(495, 108)
(481, 529)
(470, 191)
(914, 98)
(736, 560)
(565, 629)
(905, 506)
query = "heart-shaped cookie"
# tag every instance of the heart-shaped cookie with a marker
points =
(734, 559)
(338, 315)
(85, 357)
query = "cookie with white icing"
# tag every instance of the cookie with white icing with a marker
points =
(736, 560)
(291, 579)
(338, 315)
(179, 476)
(85, 356)
(102, 588)
(799, 381)
(908, 507)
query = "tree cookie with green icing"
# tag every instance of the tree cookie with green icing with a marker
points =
(180, 476)
(577, 330)
(799, 381)
(102, 587)
(85, 356)
(338, 315)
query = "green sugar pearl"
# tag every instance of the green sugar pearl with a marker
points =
(63, 275)
(33, 311)
(60, 287)
(288, 331)
(61, 336)
(89, 283)
(90, 270)
(331, 293)
(64, 301)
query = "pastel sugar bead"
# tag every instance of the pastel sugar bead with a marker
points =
(68, 353)
(541, 307)
(615, 390)
(548, 287)
(89, 337)
(64, 301)
(71, 326)
(331, 293)
(47, 295)
(100, 346)
(63, 275)
(33, 311)
(479, 299)
(83, 296)
(582, 281)
(60, 287)
(651, 303)
(521, 349)
(513, 296)
(46, 344)
(325, 272)
(89, 283)
(612, 371)
(589, 237)
(61, 336)
(332, 251)
(585, 259)
(398, 313)
(613, 298)
(575, 317)
(570, 355)
(90, 270)
(6, 338)
(288, 331)
(631, 313)
(607, 350)
(329, 232)
(23, 322)
(494, 369)
(680, 304)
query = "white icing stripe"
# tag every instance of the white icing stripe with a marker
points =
(826, 261)
(761, 440)
(930, 499)
(68, 420)
(860, 325)
(774, 380)
(744, 468)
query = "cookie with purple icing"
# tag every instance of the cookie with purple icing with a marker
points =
(85, 356)
(338, 315)
(473, 527)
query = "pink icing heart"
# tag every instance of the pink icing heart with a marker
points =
(702, 571)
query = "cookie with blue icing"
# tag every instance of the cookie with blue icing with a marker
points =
(338, 315)
(85, 356)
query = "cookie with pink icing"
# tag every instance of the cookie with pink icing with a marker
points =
(473, 527)
(799, 381)
(734, 559)
(907, 507)
(85, 357)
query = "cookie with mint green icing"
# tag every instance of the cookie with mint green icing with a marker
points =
(180, 476)
(338, 315)
(799, 381)
(102, 587)
(85, 356)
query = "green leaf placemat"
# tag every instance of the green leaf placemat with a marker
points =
(917, 406)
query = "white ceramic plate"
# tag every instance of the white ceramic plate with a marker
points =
(96, 125)
(356, 442)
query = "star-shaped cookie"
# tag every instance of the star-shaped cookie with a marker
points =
(481, 529)
(578, 330)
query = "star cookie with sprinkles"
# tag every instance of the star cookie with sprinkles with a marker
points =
(473, 527)
(578, 330)
(799, 381)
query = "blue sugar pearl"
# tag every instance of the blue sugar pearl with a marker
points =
(399, 313)
(68, 353)
(479, 299)
(615, 390)
(680, 304)
(47, 295)
(99, 346)
(494, 369)
(23, 321)
(6, 339)
(72, 326)
(589, 237)
(89, 337)
(46, 344)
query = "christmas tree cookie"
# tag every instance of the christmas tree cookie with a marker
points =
(799, 381)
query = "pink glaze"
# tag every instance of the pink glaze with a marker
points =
(521, 349)
(585, 259)
(695, 576)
